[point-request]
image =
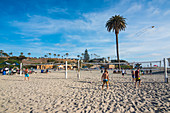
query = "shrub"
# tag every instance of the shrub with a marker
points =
(50, 60)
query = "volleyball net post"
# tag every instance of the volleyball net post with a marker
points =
(78, 74)
(66, 70)
(20, 72)
(165, 71)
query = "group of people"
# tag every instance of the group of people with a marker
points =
(135, 77)
(9, 71)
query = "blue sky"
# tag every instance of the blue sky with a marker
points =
(61, 26)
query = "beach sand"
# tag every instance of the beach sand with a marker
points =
(53, 93)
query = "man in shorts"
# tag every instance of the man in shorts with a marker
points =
(26, 74)
(137, 77)
(105, 79)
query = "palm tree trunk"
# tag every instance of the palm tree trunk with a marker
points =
(117, 48)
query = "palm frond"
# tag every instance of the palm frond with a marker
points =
(116, 23)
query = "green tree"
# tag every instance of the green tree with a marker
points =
(116, 23)
(86, 56)
(58, 55)
(69, 62)
(11, 61)
(49, 54)
(50, 60)
(67, 54)
(55, 55)
(13, 58)
(56, 61)
(45, 56)
(29, 54)
(78, 56)
(10, 54)
(21, 57)
(5, 54)
(21, 54)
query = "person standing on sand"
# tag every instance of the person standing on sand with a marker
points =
(26, 74)
(137, 77)
(133, 75)
(123, 72)
(105, 79)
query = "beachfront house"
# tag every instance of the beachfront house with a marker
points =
(98, 60)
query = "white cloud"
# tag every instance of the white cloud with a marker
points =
(134, 8)
(65, 45)
(156, 11)
(57, 10)
(153, 11)
(39, 25)
(166, 13)
(33, 39)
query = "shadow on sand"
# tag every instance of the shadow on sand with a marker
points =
(48, 78)
(81, 88)
(116, 82)
(12, 80)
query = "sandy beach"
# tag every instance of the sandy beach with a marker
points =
(53, 93)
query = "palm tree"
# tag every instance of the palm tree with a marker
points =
(62, 57)
(21, 53)
(29, 54)
(78, 56)
(116, 23)
(10, 53)
(58, 55)
(49, 54)
(1, 51)
(66, 54)
(55, 55)
(45, 56)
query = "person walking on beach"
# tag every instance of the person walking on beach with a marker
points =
(26, 74)
(105, 79)
(137, 77)
(133, 75)
(123, 72)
